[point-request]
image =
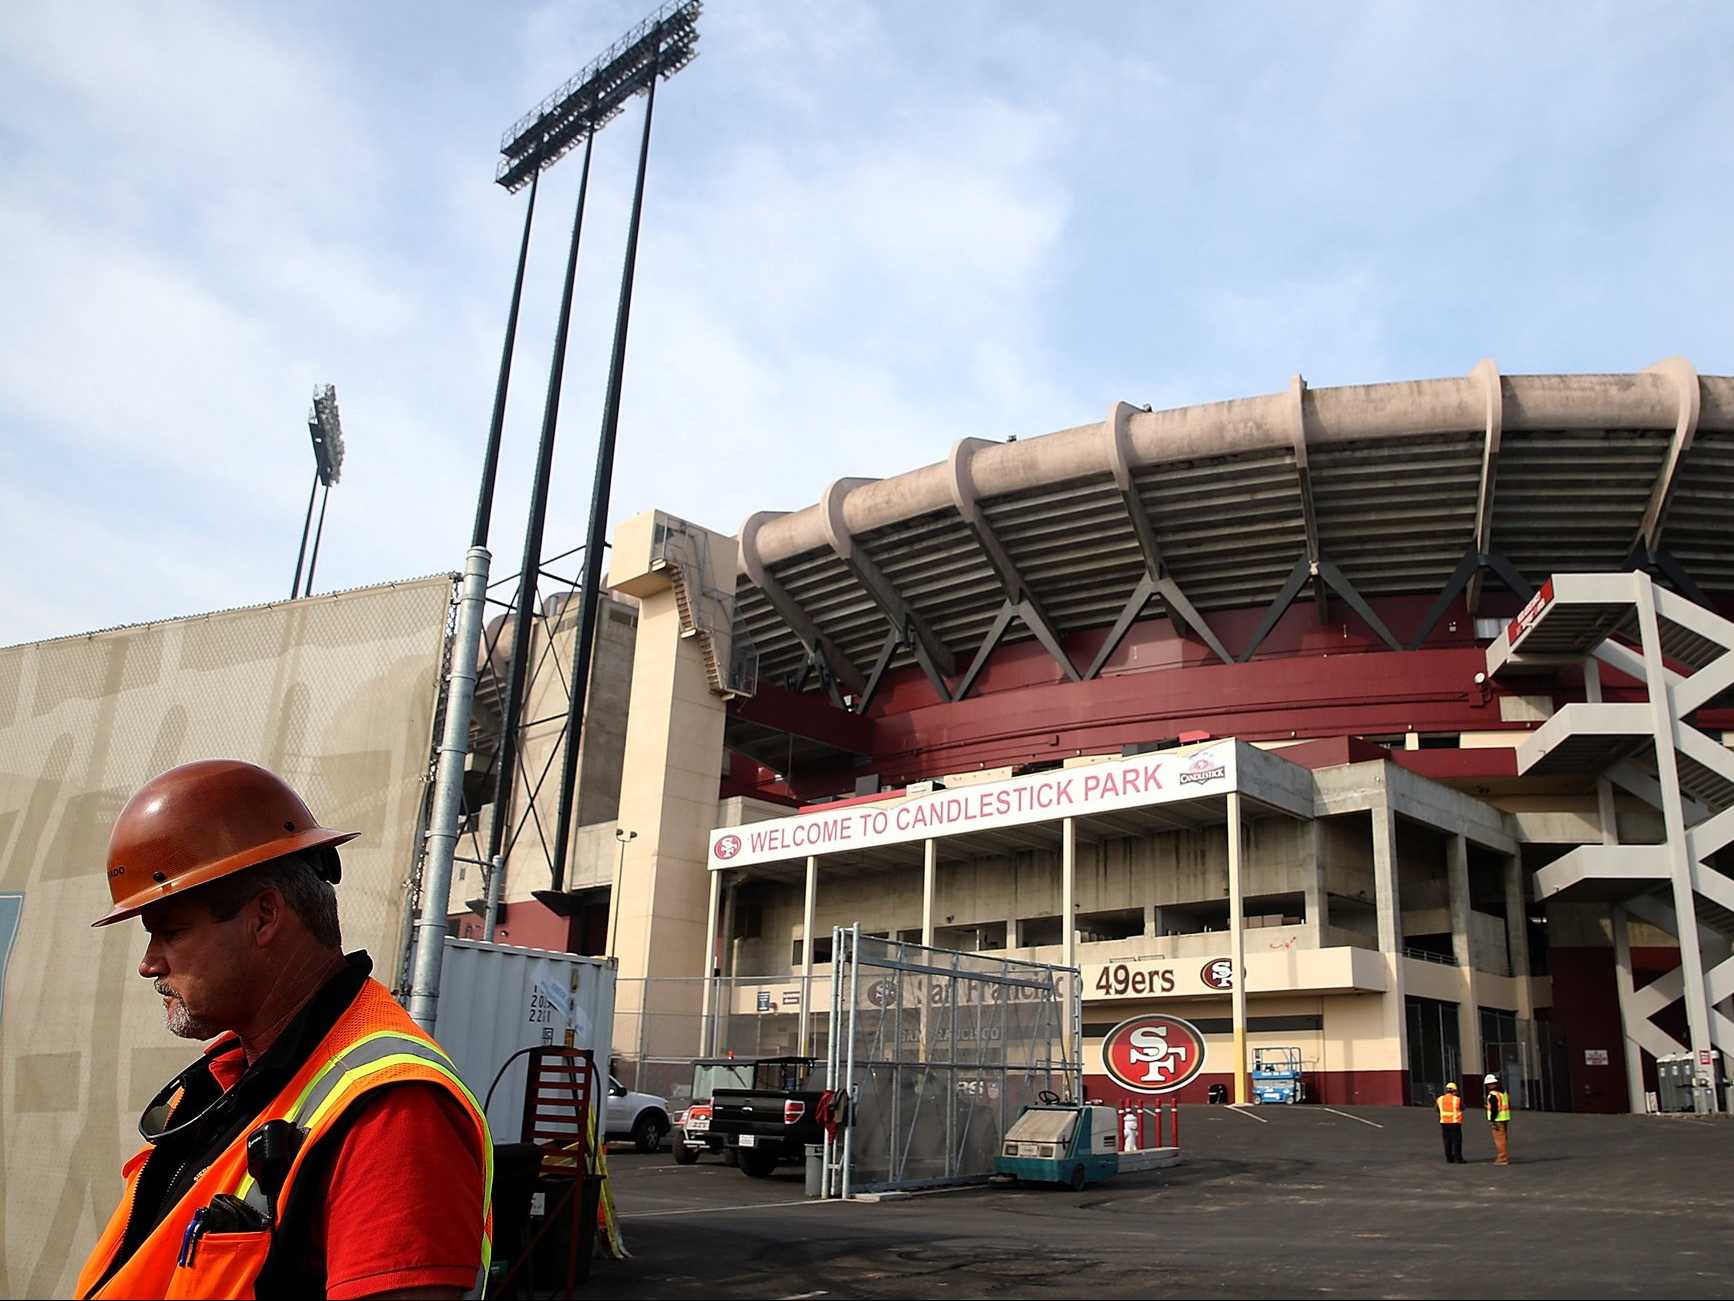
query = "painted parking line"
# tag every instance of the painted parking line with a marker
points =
(1242, 1111)
(717, 1210)
(1346, 1116)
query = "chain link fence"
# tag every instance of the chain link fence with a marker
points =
(662, 1025)
(938, 1052)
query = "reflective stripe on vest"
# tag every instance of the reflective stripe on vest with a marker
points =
(1450, 1109)
(1501, 1101)
(369, 1056)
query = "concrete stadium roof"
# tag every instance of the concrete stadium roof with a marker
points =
(1391, 483)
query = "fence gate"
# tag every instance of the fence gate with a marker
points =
(938, 1051)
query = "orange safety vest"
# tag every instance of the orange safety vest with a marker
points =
(372, 1044)
(1450, 1109)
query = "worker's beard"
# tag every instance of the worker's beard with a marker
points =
(181, 1019)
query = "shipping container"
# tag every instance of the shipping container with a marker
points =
(496, 1000)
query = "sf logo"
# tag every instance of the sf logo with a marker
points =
(1218, 974)
(1158, 1058)
(1154, 1053)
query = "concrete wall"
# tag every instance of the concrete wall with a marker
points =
(601, 754)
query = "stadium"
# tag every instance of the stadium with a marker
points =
(1309, 583)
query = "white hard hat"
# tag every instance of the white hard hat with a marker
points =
(1490, 1079)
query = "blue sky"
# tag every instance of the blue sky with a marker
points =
(870, 230)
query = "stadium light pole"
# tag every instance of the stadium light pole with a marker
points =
(325, 429)
(575, 111)
(507, 761)
(671, 52)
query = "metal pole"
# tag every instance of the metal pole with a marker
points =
(301, 553)
(442, 831)
(614, 894)
(496, 884)
(807, 954)
(514, 702)
(318, 533)
(854, 934)
(491, 459)
(1237, 941)
(442, 834)
(595, 541)
(710, 995)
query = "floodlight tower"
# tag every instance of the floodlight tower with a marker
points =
(657, 48)
(660, 46)
(325, 428)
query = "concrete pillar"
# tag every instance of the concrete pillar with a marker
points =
(1313, 881)
(1068, 889)
(1151, 921)
(1674, 817)
(1237, 948)
(673, 753)
(929, 886)
(1390, 905)
(1468, 1009)
(1628, 1041)
(807, 951)
(707, 1023)
(1517, 944)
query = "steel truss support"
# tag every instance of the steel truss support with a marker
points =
(1297, 579)
(833, 664)
(1019, 596)
(906, 622)
(1469, 569)
(1662, 565)
(1156, 581)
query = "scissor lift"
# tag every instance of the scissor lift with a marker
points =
(1276, 1075)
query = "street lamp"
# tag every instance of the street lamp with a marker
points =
(325, 429)
(625, 838)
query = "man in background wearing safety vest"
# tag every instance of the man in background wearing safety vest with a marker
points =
(1498, 1118)
(322, 1145)
(1450, 1104)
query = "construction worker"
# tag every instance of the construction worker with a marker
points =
(322, 1145)
(1450, 1104)
(1498, 1118)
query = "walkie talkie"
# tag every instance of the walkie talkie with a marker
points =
(271, 1151)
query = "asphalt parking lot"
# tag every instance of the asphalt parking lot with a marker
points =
(1289, 1201)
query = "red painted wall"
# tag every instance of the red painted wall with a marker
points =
(1586, 1011)
(1331, 1088)
(1311, 678)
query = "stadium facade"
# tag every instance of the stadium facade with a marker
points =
(1072, 697)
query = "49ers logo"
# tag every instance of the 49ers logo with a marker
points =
(728, 847)
(1218, 973)
(1153, 1053)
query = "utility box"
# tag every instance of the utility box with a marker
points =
(1674, 1082)
(1681, 1079)
(496, 1000)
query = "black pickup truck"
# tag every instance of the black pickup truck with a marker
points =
(775, 1119)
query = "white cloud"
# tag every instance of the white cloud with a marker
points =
(869, 231)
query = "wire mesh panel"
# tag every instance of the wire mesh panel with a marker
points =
(940, 1051)
(664, 1024)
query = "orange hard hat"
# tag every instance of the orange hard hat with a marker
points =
(199, 822)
